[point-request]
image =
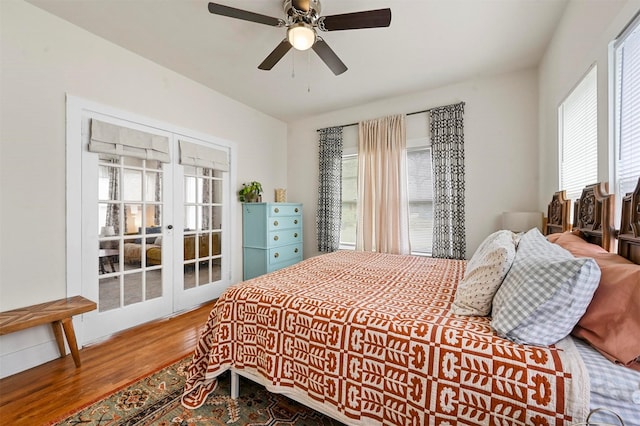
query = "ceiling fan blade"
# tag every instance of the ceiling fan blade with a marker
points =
(356, 20)
(232, 12)
(275, 56)
(329, 57)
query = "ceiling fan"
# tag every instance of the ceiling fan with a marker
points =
(301, 20)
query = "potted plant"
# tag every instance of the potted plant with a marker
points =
(250, 192)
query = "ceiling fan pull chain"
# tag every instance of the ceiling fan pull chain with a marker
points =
(293, 66)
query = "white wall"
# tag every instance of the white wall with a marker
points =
(501, 133)
(581, 40)
(43, 58)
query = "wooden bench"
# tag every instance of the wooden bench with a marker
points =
(59, 313)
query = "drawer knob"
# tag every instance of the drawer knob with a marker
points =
(295, 235)
(275, 238)
(295, 222)
(275, 223)
(296, 210)
(277, 210)
(296, 250)
(276, 255)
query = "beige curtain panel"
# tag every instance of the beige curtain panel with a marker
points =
(111, 139)
(192, 154)
(383, 211)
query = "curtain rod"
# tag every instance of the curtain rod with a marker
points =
(409, 113)
(355, 124)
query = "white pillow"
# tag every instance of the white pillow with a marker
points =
(545, 293)
(484, 274)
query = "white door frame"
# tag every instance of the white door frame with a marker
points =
(77, 109)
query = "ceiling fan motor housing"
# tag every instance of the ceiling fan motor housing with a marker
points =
(307, 11)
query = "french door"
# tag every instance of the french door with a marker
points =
(153, 233)
(201, 266)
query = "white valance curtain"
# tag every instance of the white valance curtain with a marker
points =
(107, 138)
(192, 154)
(383, 213)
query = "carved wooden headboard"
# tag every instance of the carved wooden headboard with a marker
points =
(629, 235)
(593, 215)
(558, 214)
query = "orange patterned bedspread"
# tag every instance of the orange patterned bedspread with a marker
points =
(371, 337)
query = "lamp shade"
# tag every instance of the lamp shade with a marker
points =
(301, 36)
(521, 221)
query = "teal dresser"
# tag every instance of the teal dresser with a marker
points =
(271, 237)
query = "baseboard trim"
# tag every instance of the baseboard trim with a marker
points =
(24, 359)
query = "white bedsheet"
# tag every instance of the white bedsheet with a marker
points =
(613, 387)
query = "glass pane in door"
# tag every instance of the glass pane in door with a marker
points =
(203, 227)
(130, 210)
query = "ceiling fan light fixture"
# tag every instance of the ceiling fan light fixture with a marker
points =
(301, 36)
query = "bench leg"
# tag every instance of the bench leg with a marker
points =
(57, 331)
(67, 324)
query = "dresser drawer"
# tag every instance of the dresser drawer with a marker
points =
(284, 210)
(285, 253)
(282, 237)
(284, 222)
(289, 262)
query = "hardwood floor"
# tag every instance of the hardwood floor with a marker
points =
(49, 391)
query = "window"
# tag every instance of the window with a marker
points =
(578, 137)
(626, 111)
(420, 200)
(349, 201)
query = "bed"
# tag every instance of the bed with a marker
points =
(558, 212)
(371, 338)
(608, 334)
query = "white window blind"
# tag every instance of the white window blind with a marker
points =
(110, 139)
(578, 136)
(420, 200)
(349, 201)
(627, 110)
(192, 154)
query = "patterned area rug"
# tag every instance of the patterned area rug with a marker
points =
(155, 400)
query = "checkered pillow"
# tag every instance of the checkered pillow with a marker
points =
(544, 294)
(484, 274)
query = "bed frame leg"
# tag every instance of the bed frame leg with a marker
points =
(235, 385)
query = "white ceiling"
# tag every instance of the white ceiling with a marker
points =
(430, 43)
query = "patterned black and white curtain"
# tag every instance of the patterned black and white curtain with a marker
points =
(329, 189)
(113, 209)
(206, 199)
(447, 151)
(157, 213)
